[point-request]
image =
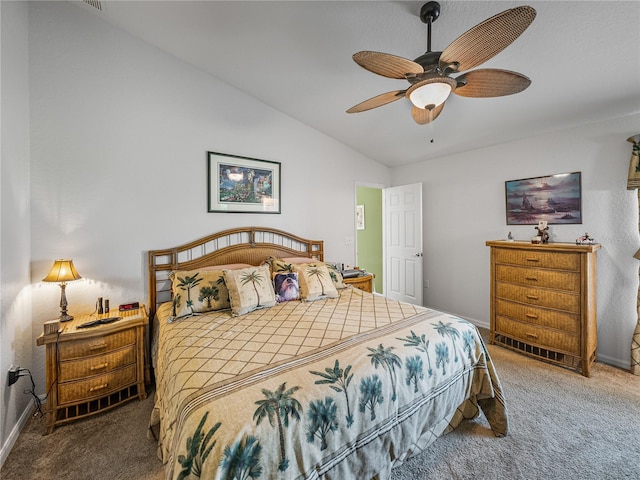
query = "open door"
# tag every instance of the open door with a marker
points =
(402, 217)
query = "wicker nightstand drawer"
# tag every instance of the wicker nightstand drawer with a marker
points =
(98, 344)
(537, 277)
(551, 339)
(539, 259)
(568, 302)
(75, 369)
(96, 386)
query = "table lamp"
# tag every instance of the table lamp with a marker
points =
(62, 272)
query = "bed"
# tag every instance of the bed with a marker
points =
(341, 384)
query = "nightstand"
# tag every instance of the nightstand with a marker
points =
(364, 283)
(90, 370)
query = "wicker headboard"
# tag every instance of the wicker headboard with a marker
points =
(250, 245)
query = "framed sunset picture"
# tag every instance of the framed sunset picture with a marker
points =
(556, 199)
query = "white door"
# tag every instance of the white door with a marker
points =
(402, 225)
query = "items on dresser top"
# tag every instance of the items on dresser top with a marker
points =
(90, 370)
(543, 301)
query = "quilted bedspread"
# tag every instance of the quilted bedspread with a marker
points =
(335, 389)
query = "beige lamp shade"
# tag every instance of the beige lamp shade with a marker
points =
(62, 271)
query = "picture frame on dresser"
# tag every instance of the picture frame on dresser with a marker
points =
(237, 184)
(556, 199)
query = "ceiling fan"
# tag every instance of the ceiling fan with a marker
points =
(430, 74)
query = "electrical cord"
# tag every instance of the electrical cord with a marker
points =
(36, 399)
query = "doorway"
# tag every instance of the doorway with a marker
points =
(389, 239)
(369, 238)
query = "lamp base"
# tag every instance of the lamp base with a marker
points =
(65, 318)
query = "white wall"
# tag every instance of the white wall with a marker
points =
(119, 135)
(464, 206)
(15, 299)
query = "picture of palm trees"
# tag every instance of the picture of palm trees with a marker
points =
(278, 406)
(255, 279)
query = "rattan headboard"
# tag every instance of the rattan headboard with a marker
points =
(250, 245)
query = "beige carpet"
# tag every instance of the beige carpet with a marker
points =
(563, 426)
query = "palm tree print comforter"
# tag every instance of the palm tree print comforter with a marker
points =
(334, 389)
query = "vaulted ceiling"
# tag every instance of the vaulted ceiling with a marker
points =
(583, 58)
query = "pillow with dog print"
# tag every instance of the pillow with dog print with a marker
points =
(286, 287)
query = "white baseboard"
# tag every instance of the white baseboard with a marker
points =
(615, 362)
(15, 432)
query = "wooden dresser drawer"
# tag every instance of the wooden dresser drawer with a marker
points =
(532, 258)
(102, 344)
(549, 338)
(568, 322)
(89, 366)
(537, 277)
(97, 386)
(540, 297)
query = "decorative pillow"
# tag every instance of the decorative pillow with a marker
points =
(278, 265)
(249, 289)
(315, 282)
(198, 291)
(286, 286)
(336, 276)
(288, 265)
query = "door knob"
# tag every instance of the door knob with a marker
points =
(419, 254)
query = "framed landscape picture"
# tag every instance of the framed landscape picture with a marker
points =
(556, 199)
(242, 184)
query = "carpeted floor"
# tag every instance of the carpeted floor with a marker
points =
(562, 426)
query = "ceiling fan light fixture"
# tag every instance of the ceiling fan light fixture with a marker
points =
(431, 92)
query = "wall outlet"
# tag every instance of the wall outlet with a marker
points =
(426, 284)
(14, 374)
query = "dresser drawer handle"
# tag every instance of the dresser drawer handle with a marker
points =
(532, 297)
(531, 315)
(99, 367)
(99, 387)
(533, 259)
(98, 346)
(531, 335)
(533, 279)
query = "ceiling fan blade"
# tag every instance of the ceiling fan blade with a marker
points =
(487, 39)
(390, 66)
(491, 82)
(422, 116)
(377, 101)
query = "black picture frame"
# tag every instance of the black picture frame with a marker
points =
(556, 199)
(237, 184)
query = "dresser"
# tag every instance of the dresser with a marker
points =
(543, 301)
(90, 370)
